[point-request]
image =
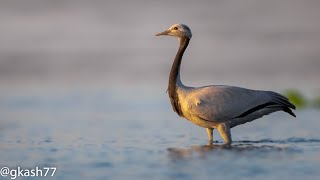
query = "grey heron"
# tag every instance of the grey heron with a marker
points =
(218, 107)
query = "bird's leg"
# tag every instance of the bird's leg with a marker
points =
(224, 130)
(209, 132)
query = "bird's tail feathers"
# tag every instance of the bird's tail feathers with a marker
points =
(282, 101)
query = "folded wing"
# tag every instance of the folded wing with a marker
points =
(224, 103)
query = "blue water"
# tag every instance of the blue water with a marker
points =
(99, 135)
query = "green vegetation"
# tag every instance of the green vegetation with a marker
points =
(300, 101)
(296, 98)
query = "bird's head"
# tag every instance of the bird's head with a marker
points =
(177, 30)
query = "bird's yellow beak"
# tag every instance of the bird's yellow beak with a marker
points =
(166, 32)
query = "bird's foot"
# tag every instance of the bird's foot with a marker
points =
(210, 142)
(226, 145)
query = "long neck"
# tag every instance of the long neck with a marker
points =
(174, 79)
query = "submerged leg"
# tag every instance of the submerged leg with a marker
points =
(209, 132)
(224, 130)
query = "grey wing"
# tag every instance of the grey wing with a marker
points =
(223, 103)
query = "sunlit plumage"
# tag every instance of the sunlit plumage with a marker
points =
(218, 106)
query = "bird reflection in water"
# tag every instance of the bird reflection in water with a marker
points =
(214, 149)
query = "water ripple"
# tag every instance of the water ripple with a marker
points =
(257, 147)
(284, 141)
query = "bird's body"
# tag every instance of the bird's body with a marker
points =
(218, 106)
(230, 104)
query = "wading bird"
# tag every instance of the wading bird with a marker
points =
(217, 106)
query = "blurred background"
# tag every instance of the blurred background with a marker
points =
(80, 76)
(71, 43)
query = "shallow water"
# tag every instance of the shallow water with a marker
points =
(87, 136)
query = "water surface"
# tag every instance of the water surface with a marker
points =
(94, 135)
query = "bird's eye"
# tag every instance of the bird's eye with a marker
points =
(175, 28)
